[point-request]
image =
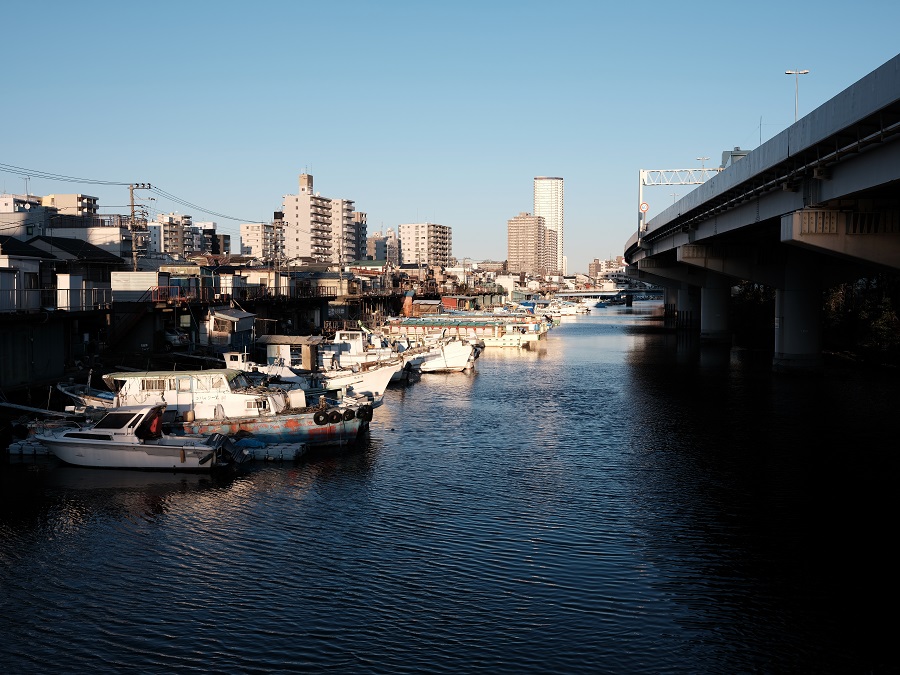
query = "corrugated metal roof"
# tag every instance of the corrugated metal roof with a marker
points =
(233, 314)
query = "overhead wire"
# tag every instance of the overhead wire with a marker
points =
(33, 173)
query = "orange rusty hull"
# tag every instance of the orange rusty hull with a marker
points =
(286, 428)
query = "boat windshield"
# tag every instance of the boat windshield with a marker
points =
(240, 381)
(116, 420)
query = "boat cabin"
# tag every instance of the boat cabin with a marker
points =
(215, 393)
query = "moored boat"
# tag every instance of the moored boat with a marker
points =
(489, 330)
(450, 354)
(134, 439)
(87, 396)
(225, 401)
(357, 348)
(363, 381)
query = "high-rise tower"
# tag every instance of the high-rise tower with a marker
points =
(548, 204)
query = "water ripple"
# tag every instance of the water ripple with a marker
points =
(602, 504)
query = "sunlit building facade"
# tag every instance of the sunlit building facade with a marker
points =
(549, 204)
(526, 244)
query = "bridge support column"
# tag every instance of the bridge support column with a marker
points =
(687, 307)
(714, 297)
(670, 302)
(798, 309)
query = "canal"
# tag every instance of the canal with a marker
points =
(621, 499)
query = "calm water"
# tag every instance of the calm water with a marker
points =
(619, 501)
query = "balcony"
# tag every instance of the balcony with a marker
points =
(50, 299)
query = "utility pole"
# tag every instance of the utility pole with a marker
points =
(131, 189)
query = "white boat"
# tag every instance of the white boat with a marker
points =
(134, 439)
(224, 400)
(485, 330)
(449, 355)
(87, 396)
(437, 352)
(558, 308)
(365, 381)
(353, 348)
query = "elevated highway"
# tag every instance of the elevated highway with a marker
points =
(816, 205)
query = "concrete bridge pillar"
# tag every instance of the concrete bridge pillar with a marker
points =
(670, 303)
(714, 301)
(687, 309)
(798, 310)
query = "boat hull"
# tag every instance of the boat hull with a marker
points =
(300, 428)
(449, 359)
(177, 456)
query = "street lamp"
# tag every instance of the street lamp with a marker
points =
(674, 196)
(796, 73)
(702, 161)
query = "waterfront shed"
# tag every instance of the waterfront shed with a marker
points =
(227, 329)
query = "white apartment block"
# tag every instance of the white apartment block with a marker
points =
(343, 232)
(72, 205)
(264, 241)
(426, 244)
(526, 244)
(169, 233)
(253, 240)
(548, 203)
(23, 215)
(599, 268)
(307, 223)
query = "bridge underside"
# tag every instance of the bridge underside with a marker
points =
(815, 232)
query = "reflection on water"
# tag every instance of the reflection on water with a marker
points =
(621, 499)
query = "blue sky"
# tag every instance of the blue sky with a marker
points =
(416, 110)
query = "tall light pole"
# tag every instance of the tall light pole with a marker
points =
(702, 161)
(796, 73)
(674, 196)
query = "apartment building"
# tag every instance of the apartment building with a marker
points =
(384, 247)
(549, 204)
(526, 244)
(343, 232)
(264, 241)
(169, 233)
(72, 204)
(427, 244)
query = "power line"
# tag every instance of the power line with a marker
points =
(32, 173)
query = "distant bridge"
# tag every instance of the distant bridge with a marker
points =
(609, 295)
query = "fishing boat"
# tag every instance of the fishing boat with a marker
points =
(134, 439)
(437, 352)
(87, 396)
(449, 354)
(364, 380)
(356, 348)
(487, 330)
(226, 401)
